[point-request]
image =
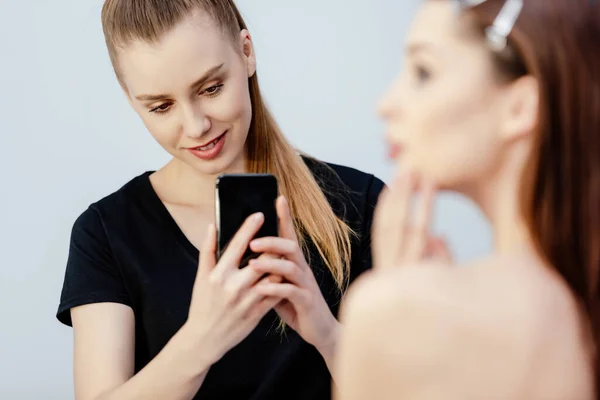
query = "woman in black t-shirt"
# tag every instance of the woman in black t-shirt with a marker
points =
(153, 316)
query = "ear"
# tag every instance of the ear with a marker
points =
(248, 52)
(521, 108)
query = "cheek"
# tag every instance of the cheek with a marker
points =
(450, 139)
(233, 105)
(162, 128)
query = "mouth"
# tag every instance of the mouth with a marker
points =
(209, 150)
(394, 150)
(209, 145)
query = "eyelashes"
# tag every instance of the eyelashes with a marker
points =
(422, 73)
(209, 92)
(163, 108)
(213, 90)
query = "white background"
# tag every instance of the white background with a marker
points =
(68, 138)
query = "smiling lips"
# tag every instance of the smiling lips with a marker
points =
(209, 150)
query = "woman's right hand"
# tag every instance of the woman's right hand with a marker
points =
(226, 305)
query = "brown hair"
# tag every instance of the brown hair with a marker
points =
(556, 41)
(267, 149)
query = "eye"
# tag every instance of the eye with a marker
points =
(422, 73)
(213, 90)
(161, 109)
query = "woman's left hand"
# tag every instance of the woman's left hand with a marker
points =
(401, 237)
(303, 306)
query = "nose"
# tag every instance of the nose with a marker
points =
(389, 102)
(195, 122)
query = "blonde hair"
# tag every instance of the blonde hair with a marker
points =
(267, 149)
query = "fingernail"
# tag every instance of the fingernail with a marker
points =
(258, 216)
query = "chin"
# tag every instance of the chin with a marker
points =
(457, 186)
(441, 174)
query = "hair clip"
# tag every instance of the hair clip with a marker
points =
(463, 4)
(497, 33)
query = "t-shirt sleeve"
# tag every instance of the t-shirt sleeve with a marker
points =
(91, 275)
(364, 261)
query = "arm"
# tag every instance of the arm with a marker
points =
(225, 307)
(328, 350)
(104, 336)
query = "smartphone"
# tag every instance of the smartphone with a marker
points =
(237, 197)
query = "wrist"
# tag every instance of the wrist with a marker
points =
(328, 345)
(198, 345)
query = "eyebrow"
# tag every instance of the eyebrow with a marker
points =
(199, 82)
(418, 47)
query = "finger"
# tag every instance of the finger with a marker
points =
(286, 248)
(380, 241)
(265, 305)
(239, 243)
(274, 278)
(288, 291)
(286, 310)
(439, 250)
(402, 197)
(390, 221)
(240, 280)
(207, 251)
(286, 223)
(266, 256)
(285, 268)
(252, 297)
(420, 230)
(275, 245)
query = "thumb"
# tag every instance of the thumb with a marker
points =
(286, 223)
(208, 258)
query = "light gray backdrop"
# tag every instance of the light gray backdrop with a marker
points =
(68, 137)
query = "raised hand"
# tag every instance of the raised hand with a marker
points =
(398, 239)
(303, 307)
(227, 302)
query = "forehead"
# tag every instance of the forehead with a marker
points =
(439, 23)
(195, 45)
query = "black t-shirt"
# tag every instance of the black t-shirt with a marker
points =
(126, 248)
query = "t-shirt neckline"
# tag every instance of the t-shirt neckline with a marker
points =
(165, 216)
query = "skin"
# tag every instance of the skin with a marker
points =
(227, 302)
(505, 327)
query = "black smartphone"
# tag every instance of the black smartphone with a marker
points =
(237, 197)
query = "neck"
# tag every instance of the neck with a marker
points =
(185, 185)
(499, 201)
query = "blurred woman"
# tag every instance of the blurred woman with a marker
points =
(499, 101)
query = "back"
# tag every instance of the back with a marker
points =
(546, 353)
(504, 328)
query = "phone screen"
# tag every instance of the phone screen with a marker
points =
(237, 197)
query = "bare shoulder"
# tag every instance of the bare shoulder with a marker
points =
(400, 331)
(488, 319)
(487, 294)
